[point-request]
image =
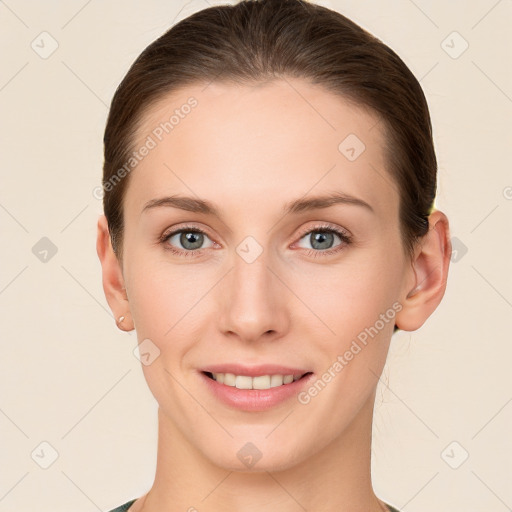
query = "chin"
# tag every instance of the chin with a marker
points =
(255, 455)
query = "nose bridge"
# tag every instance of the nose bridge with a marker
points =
(252, 279)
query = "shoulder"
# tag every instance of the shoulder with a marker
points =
(124, 507)
(128, 504)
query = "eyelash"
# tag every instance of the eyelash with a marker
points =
(346, 240)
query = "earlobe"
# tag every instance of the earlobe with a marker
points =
(430, 272)
(112, 276)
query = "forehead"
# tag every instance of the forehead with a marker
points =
(277, 139)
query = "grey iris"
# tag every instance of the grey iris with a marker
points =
(322, 238)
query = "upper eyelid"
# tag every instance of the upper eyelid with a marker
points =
(325, 226)
(181, 229)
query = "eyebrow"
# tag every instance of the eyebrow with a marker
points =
(301, 205)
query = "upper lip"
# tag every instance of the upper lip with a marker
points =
(254, 371)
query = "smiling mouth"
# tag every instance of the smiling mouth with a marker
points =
(259, 382)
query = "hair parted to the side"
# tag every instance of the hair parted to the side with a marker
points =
(257, 41)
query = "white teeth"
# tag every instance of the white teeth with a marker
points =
(229, 379)
(260, 382)
(243, 382)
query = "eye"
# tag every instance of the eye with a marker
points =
(322, 238)
(187, 241)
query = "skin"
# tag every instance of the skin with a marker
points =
(250, 150)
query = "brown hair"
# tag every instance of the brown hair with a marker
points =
(260, 40)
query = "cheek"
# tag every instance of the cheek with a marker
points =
(165, 306)
(168, 301)
(152, 300)
(353, 296)
(155, 289)
(347, 302)
(355, 346)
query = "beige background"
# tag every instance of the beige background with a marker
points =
(70, 378)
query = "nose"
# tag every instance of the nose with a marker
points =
(253, 301)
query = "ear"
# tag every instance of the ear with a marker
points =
(113, 281)
(426, 284)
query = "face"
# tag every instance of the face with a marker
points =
(268, 276)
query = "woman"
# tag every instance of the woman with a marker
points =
(269, 222)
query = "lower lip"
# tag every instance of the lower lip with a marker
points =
(255, 399)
